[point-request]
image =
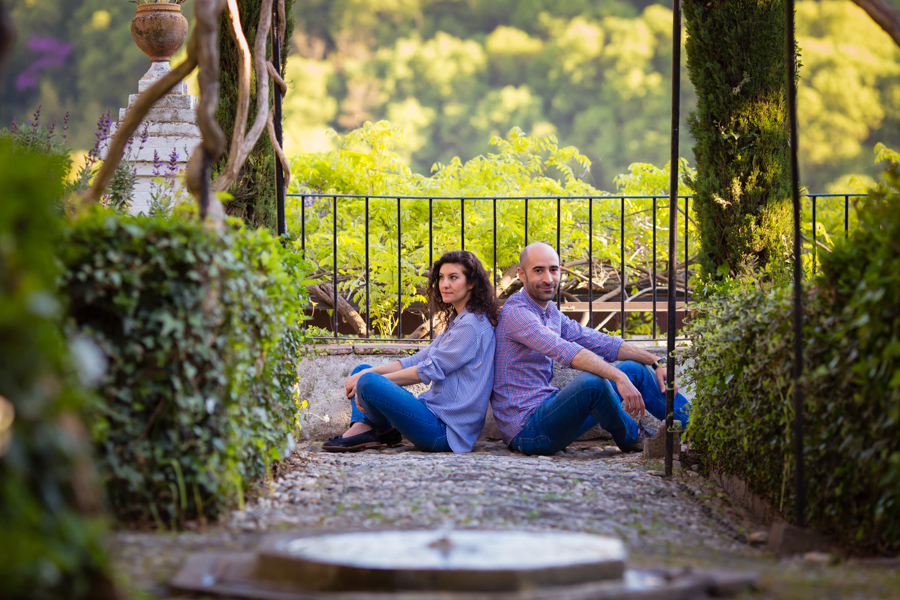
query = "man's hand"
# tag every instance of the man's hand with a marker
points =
(632, 401)
(661, 373)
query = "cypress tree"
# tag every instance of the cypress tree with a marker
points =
(254, 191)
(735, 59)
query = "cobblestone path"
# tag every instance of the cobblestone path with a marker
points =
(590, 488)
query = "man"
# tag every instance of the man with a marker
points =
(536, 418)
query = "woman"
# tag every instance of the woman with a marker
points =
(459, 364)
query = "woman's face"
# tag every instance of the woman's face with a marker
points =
(453, 286)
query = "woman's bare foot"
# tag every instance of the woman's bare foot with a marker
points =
(356, 429)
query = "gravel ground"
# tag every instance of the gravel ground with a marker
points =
(590, 487)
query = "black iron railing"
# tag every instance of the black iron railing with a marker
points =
(338, 212)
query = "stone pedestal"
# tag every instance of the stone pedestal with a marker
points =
(172, 126)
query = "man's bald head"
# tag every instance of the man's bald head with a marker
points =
(539, 272)
(545, 250)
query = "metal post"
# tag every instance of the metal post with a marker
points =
(591, 262)
(399, 278)
(622, 272)
(846, 216)
(558, 231)
(673, 223)
(303, 226)
(790, 59)
(281, 223)
(334, 263)
(368, 310)
(430, 259)
(814, 248)
(654, 270)
(687, 222)
(462, 221)
(526, 221)
(494, 271)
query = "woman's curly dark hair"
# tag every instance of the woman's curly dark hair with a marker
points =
(483, 299)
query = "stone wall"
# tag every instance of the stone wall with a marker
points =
(323, 372)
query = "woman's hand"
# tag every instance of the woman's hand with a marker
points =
(350, 384)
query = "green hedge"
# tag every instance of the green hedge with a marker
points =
(52, 542)
(201, 331)
(743, 414)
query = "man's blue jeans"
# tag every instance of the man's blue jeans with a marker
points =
(589, 400)
(389, 405)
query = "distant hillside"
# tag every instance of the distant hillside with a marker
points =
(455, 72)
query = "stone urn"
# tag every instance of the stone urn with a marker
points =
(159, 30)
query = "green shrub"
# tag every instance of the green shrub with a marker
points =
(51, 536)
(743, 413)
(201, 331)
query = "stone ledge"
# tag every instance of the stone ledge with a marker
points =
(168, 101)
(167, 115)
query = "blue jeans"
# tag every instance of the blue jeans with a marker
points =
(389, 405)
(589, 400)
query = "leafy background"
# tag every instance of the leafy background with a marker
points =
(453, 73)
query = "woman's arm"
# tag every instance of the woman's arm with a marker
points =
(407, 376)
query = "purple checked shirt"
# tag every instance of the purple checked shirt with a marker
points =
(529, 339)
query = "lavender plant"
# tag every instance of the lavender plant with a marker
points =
(165, 189)
(120, 191)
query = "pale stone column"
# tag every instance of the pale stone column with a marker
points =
(172, 126)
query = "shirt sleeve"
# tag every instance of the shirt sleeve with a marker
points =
(526, 328)
(603, 345)
(457, 347)
(418, 357)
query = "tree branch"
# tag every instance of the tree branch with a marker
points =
(887, 17)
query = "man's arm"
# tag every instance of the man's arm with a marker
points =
(632, 352)
(586, 360)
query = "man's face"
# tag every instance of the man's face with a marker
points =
(540, 274)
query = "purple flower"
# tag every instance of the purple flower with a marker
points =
(37, 119)
(172, 165)
(53, 54)
(65, 127)
(14, 128)
(157, 163)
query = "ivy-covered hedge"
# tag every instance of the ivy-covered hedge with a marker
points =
(201, 332)
(742, 417)
(52, 538)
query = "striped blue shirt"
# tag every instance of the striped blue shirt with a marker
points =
(459, 364)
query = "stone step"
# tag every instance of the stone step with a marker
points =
(180, 88)
(167, 115)
(169, 101)
(189, 130)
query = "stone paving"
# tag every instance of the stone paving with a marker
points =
(591, 487)
(588, 488)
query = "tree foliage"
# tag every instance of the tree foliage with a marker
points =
(522, 166)
(740, 126)
(254, 192)
(594, 73)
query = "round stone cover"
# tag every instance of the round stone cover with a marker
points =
(466, 560)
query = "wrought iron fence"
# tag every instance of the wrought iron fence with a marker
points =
(324, 225)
